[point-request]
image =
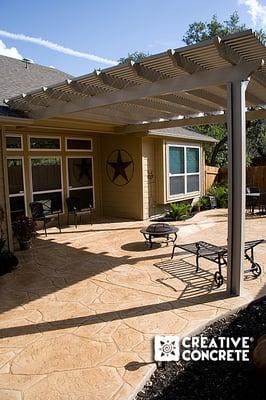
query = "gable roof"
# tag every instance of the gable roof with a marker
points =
(182, 133)
(17, 76)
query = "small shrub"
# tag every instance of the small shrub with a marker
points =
(220, 192)
(204, 203)
(180, 210)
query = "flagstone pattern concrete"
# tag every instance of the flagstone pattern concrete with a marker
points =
(80, 313)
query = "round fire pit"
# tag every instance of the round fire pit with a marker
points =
(159, 230)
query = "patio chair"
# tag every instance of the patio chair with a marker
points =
(252, 197)
(41, 211)
(74, 208)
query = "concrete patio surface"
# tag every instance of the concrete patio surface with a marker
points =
(79, 314)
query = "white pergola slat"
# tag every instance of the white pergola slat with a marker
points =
(185, 86)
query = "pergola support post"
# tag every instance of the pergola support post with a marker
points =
(236, 125)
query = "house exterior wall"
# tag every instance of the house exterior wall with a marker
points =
(2, 184)
(122, 201)
(142, 197)
(154, 160)
(63, 154)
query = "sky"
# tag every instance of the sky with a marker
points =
(83, 35)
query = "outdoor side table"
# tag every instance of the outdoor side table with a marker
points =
(160, 230)
(252, 200)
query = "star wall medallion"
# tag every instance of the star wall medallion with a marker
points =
(120, 167)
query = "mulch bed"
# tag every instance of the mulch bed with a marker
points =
(209, 380)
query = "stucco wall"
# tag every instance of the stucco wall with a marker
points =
(122, 201)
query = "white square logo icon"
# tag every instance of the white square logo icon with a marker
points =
(166, 348)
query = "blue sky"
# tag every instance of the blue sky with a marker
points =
(110, 29)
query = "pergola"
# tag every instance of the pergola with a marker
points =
(207, 83)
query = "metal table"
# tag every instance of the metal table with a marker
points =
(159, 230)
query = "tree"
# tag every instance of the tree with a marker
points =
(199, 31)
(136, 56)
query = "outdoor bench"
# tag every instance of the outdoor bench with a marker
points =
(218, 254)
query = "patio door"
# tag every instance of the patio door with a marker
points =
(80, 180)
(15, 168)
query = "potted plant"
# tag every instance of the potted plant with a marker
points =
(24, 230)
(8, 260)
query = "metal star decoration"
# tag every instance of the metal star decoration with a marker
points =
(119, 167)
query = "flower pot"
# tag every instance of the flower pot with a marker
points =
(25, 244)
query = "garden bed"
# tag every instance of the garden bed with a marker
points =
(209, 380)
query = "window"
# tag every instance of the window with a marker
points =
(47, 182)
(78, 144)
(183, 170)
(45, 143)
(14, 142)
(15, 170)
(80, 180)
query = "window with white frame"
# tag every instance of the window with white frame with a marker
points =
(46, 176)
(14, 142)
(78, 144)
(183, 170)
(44, 143)
(15, 168)
(80, 180)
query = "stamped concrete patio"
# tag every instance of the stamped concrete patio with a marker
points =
(80, 312)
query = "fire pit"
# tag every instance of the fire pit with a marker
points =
(159, 230)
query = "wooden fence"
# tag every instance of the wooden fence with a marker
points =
(211, 176)
(256, 176)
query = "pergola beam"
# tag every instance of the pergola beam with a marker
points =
(191, 82)
(188, 102)
(230, 55)
(184, 63)
(207, 95)
(205, 120)
(145, 73)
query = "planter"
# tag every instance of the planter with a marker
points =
(24, 244)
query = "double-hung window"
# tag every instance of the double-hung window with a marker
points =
(183, 170)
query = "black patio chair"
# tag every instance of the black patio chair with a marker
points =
(252, 198)
(42, 212)
(74, 208)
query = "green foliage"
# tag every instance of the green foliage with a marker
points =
(24, 228)
(136, 56)
(204, 203)
(220, 192)
(180, 210)
(215, 155)
(199, 31)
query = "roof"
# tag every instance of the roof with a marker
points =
(18, 76)
(182, 133)
(181, 83)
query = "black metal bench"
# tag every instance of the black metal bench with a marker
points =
(218, 254)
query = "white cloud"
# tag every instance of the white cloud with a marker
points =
(9, 51)
(56, 47)
(257, 11)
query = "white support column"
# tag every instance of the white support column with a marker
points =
(236, 125)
